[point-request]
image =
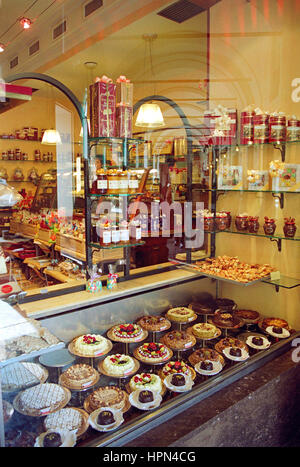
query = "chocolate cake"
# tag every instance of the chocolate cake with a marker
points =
(277, 330)
(52, 440)
(257, 341)
(206, 365)
(235, 352)
(145, 397)
(105, 417)
(178, 380)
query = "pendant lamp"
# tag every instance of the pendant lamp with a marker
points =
(150, 114)
(51, 137)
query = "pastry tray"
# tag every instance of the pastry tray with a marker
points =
(28, 356)
(219, 278)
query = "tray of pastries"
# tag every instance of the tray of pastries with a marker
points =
(230, 342)
(178, 340)
(231, 269)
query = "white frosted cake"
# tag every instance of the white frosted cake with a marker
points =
(118, 364)
(41, 398)
(66, 419)
(90, 344)
(148, 381)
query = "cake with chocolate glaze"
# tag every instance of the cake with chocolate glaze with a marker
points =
(52, 440)
(145, 397)
(105, 417)
(178, 380)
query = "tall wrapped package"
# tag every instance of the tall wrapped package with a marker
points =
(124, 113)
(103, 108)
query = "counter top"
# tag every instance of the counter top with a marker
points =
(67, 302)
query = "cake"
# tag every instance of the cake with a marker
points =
(105, 418)
(202, 308)
(205, 354)
(154, 323)
(118, 364)
(230, 342)
(180, 314)
(68, 418)
(107, 396)
(204, 330)
(46, 397)
(175, 367)
(149, 381)
(127, 332)
(178, 380)
(249, 316)
(52, 440)
(224, 304)
(79, 375)
(206, 365)
(226, 320)
(178, 340)
(145, 397)
(91, 344)
(21, 375)
(235, 352)
(152, 352)
(258, 342)
(278, 322)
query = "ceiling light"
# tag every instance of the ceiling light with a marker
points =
(150, 116)
(25, 23)
(2, 47)
(51, 137)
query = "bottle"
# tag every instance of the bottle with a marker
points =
(101, 182)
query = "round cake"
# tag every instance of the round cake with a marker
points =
(42, 398)
(175, 367)
(180, 314)
(152, 352)
(146, 396)
(225, 304)
(202, 308)
(230, 342)
(154, 323)
(52, 440)
(258, 342)
(127, 332)
(178, 340)
(149, 381)
(68, 418)
(227, 320)
(278, 322)
(118, 364)
(105, 418)
(206, 354)
(79, 375)
(90, 344)
(249, 316)
(108, 396)
(204, 330)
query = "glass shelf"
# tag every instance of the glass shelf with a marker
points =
(226, 190)
(284, 282)
(115, 140)
(113, 247)
(114, 195)
(259, 234)
(236, 144)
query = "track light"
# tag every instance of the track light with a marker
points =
(25, 23)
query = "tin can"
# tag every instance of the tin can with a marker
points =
(246, 130)
(261, 127)
(293, 130)
(277, 129)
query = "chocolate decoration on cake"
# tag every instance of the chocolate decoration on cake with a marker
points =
(277, 330)
(105, 418)
(178, 380)
(145, 397)
(257, 341)
(224, 304)
(235, 352)
(206, 365)
(52, 440)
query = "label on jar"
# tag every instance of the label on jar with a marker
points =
(277, 131)
(292, 133)
(113, 184)
(133, 184)
(115, 236)
(123, 184)
(106, 237)
(138, 233)
(261, 131)
(247, 131)
(124, 235)
(102, 184)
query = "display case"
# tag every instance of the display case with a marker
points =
(74, 406)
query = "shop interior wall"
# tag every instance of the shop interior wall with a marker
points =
(253, 62)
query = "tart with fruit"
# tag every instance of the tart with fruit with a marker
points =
(118, 365)
(152, 353)
(178, 340)
(230, 342)
(176, 367)
(127, 333)
(146, 381)
(90, 345)
(181, 314)
(206, 354)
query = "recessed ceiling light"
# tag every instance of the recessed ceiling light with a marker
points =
(25, 23)
(2, 48)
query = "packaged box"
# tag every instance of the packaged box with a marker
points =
(124, 119)
(230, 177)
(103, 109)
(258, 180)
(288, 180)
(124, 92)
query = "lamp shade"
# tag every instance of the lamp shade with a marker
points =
(51, 137)
(150, 116)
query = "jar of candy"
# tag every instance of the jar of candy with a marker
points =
(221, 221)
(269, 226)
(37, 155)
(246, 136)
(261, 128)
(289, 228)
(105, 234)
(123, 182)
(293, 130)
(101, 182)
(253, 224)
(113, 182)
(135, 232)
(115, 234)
(277, 129)
(209, 223)
(4, 156)
(241, 222)
(133, 183)
(124, 233)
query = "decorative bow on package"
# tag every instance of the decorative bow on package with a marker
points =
(221, 124)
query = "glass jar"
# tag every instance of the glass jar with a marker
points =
(123, 182)
(11, 155)
(261, 128)
(113, 182)
(277, 129)
(253, 224)
(115, 234)
(293, 130)
(221, 221)
(289, 228)
(18, 154)
(269, 226)
(241, 223)
(24, 156)
(4, 156)
(37, 155)
(209, 223)
(135, 232)
(101, 182)
(133, 183)
(105, 234)
(124, 233)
